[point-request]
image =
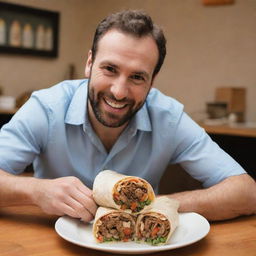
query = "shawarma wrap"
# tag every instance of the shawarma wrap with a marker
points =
(156, 225)
(128, 193)
(113, 225)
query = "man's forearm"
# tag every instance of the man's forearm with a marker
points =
(61, 196)
(230, 198)
(15, 190)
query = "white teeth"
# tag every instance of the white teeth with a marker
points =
(114, 105)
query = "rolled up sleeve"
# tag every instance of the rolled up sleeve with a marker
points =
(24, 137)
(200, 156)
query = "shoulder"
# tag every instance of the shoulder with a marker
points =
(59, 93)
(164, 106)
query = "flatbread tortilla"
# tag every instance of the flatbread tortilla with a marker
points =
(108, 190)
(163, 218)
(111, 225)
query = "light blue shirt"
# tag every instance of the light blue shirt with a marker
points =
(52, 130)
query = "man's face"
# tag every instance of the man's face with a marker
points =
(120, 76)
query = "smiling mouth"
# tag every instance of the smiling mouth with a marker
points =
(114, 104)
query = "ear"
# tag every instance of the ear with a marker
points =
(88, 65)
(153, 79)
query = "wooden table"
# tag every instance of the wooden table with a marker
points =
(235, 130)
(8, 111)
(26, 231)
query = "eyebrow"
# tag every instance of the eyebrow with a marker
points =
(109, 63)
(142, 73)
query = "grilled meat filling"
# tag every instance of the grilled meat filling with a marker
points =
(153, 230)
(132, 194)
(116, 227)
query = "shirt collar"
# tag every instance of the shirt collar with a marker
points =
(77, 110)
(77, 113)
(141, 120)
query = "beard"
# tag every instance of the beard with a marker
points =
(109, 119)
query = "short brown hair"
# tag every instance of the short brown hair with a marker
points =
(136, 23)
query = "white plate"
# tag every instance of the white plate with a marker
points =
(192, 228)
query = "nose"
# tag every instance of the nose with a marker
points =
(119, 88)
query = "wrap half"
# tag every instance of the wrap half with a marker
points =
(129, 193)
(113, 225)
(156, 225)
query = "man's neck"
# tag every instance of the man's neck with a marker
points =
(107, 135)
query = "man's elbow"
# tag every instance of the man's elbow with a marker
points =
(249, 195)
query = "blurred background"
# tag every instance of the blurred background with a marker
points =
(209, 46)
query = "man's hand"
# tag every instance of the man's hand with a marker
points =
(64, 196)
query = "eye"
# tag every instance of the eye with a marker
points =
(110, 69)
(138, 78)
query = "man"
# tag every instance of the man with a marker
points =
(115, 120)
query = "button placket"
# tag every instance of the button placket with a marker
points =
(95, 140)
